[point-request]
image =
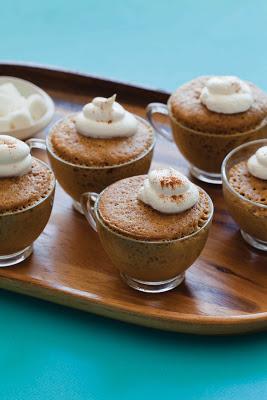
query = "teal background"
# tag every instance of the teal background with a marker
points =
(48, 352)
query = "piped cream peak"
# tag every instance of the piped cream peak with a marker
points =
(104, 118)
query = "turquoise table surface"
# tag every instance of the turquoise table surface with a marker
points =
(48, 352)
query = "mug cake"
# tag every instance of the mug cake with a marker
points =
(153, 227)
(210, 116)
(98, 146)
(27, 188)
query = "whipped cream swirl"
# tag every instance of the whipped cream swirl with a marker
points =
(15, 157)
(105, 118)
(257, 163)
(17, 111)
(226, 95)
(168, 191)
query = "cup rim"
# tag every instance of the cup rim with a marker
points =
(161, 241)
(86, 167)
(40, 201)
(228, 135)
(224, 175)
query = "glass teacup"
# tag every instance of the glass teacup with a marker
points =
(251, 216)
(147, 266)
(19, 229)
(76, 179)
(203, 150)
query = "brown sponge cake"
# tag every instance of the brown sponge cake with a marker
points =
(247, 185)
(187, 109)
(75, 148)
(122, 211)
(24, 191)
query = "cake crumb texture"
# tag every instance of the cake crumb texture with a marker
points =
(247, 185)
(187, 109)
(21, 192)
(75, 148)
(123, 212)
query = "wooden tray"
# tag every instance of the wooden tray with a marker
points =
(225, 291)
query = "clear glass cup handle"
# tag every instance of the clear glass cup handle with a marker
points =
(87, 201)
(36, 144)
(158, 108)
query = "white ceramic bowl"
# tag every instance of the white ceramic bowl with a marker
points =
(27, 88)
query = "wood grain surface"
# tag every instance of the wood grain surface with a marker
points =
(225, 291)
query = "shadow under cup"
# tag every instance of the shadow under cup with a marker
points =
(77, 179)
(204, 151)
(147, 266)
(249, 215)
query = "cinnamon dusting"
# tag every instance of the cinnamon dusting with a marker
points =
(171, 181)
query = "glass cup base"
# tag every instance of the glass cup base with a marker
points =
(77, 206)
(15, 258)
(207, 177)
(256, 243)
(153, 287)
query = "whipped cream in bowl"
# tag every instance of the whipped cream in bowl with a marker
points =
(257, 163)
(168, 191)
(104, 118)
(15, 157)
(226, 95)
(25, 109)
